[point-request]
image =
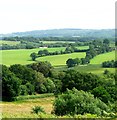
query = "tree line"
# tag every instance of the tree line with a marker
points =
(34, 42)
(109, 64)
(95, 48)
(45, 52)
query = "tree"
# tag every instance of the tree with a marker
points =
(43, 67)
(10, 84)
(75, 102)
(70, 62)
(33, 56)
(24, 73)
(81, 81)
(77, 61)
(102, 94)
(106, 41)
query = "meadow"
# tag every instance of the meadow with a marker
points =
(95, 64)
(103, 57)
(57, 60)
(9, 42)
(22, 56)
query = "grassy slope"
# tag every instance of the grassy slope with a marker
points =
(10, 57)
(61, 59)
(95, 64)
(103, 57)
(21, 56)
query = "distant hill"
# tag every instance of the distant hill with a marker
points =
(101, 33)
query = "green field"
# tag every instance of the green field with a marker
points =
(22, 56)
(10, 57)
(103, 57)
(57, 60)
(93, 68)
(9, 42)
(95, 65)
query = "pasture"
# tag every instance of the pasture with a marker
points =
(9, 42)
(103, 57)
(57, 60)
(93, 68)
(22, 56)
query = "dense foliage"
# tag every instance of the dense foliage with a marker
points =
(109, 64)
(78, 102)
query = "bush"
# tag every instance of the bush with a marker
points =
(37, 109)
(23, 90)
(75, 102)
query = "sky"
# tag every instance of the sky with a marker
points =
(27, 15)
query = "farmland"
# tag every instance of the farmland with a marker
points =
(22, 56)
(22, 107)
(103, 57)
(9, 42)
(57, 60)
(10, 57)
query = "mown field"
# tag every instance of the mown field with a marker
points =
(95, 65)
(22, 56)
(9, 42)
(57, 60)
(103, 57)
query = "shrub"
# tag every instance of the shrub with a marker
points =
(23, 90)
(37, 109)
(75, 102)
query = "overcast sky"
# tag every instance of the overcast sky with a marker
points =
(27, 15)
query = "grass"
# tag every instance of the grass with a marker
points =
(24, 108)
(9, 42)
(22, 56)
(10, 57)
(27, 97)
(57, 60)
(95, 64)
(93, 68)
(103, 57)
